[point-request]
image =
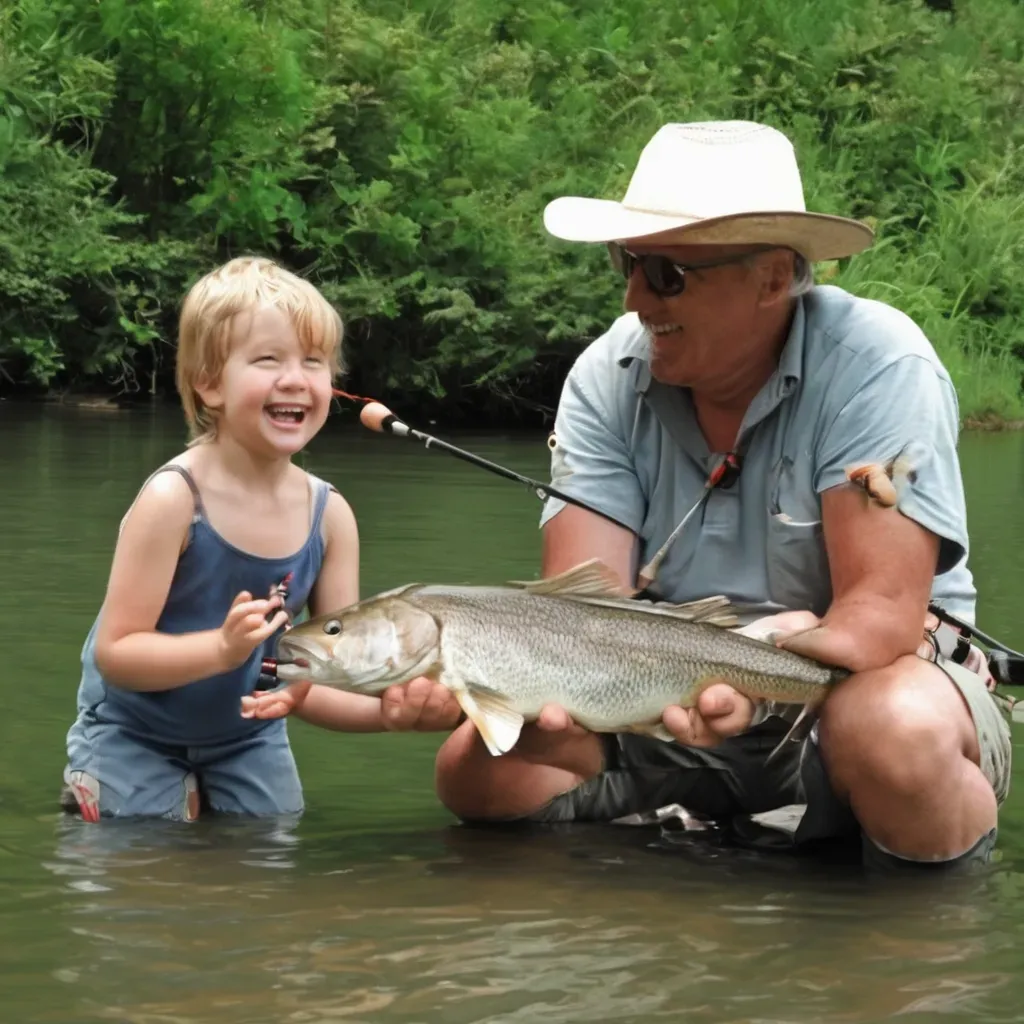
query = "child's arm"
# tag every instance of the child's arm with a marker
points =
(425, 706)
(129, 651)
(337, 586)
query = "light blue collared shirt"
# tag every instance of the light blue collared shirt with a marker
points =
(857, 380)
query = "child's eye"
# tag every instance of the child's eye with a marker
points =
(266, 358)
(315, 360)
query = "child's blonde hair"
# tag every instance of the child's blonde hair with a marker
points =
(208, 314)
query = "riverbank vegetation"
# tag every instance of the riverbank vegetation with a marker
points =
(400, 153)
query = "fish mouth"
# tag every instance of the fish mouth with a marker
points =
(297, 661)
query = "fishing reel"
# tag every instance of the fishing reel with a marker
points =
(268, 668)
(1007, 669)
(1005, 664)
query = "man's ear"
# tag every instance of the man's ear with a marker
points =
(776, 277)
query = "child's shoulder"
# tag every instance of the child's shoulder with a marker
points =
(171, 482)
(338, 521)
(173, 478)
(166, 496)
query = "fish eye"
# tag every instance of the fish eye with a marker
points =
(332, 628)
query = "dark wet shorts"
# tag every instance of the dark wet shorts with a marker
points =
(733, 781)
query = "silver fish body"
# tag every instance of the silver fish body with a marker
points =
(613, 663)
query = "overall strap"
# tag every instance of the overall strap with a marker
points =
(321, 492)
(189, 479)
(197, 502)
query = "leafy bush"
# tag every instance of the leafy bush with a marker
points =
(400, 154)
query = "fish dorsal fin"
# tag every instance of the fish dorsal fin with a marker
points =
(405, 588)
(593, 582)
(592, 578)
(709, 611)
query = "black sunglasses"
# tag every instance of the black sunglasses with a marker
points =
(665, 277)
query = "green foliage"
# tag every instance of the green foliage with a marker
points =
(400, 153)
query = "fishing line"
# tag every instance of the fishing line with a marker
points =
(378, 417)
(723, 475)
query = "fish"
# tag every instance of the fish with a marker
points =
(574, 639)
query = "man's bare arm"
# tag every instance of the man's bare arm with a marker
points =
(576, 535)
(882, 566)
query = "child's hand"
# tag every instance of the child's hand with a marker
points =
(275, 703)
(246, 626)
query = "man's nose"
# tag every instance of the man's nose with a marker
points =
(639, 298)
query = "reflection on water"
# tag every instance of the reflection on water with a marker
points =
(225, 922)
(375, 906)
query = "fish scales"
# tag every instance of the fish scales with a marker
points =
(614, 664)
(606, 666)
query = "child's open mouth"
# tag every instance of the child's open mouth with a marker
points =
(286, 413)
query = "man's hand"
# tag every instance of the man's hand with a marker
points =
(421, 705)
(720, 711)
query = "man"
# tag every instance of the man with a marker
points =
(728, 352)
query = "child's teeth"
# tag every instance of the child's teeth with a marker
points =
(287, 412)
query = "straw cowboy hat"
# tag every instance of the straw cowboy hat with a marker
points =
(712, 182)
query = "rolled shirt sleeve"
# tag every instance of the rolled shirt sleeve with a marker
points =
(904, 401)
(591, 458)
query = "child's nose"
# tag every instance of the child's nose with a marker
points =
(292, 375)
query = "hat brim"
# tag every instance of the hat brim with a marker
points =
(816, 236)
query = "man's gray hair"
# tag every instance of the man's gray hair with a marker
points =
(803, 273)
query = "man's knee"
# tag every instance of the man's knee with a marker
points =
(475, 786)
(901, 727)
(463, 784)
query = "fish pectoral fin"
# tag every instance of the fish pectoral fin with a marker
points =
(592, 578)
(798, 731)
(498, 724)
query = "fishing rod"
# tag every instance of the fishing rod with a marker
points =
(1005, 663)
(379, 418)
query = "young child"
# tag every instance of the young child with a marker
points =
(190, 609)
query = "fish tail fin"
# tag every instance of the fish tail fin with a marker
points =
(798, 731)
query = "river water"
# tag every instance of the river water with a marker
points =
(376, 905)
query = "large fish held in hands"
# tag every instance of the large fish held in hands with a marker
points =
(612, 662)
(615, 664)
